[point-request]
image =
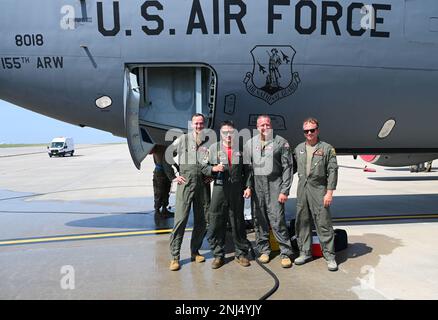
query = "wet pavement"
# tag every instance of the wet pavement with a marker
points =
(92, 215)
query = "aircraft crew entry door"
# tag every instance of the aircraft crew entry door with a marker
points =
(163, 97)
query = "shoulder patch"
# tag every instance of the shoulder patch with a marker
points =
(333, 151)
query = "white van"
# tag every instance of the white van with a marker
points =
(60, 147)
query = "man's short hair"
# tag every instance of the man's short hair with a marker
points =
(263, 116)
(198, 115)
(229, 123)
(311, 120)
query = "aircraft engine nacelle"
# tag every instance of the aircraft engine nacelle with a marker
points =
(399, 160)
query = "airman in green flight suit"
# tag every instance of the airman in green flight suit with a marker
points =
(232, 183)
(272, 164)
(318, 176)
(192, 188)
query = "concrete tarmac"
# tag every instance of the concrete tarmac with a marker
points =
(83, 227)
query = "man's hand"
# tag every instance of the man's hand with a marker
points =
(328, 198)
(180, 180)
(247, 193)
(218, 168)
(282, 198)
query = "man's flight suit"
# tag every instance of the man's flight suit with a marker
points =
(194, 190)
(161, 182)
(323, 176)
(227, 200)
(272, 164)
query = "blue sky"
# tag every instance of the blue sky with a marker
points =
(19, 125)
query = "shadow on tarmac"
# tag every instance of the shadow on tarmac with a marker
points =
(412, 178)
(345, 206)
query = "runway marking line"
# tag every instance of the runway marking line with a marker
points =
(84, 237)
(107, 235)
(381, 218)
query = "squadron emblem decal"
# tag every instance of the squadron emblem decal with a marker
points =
(272, 77)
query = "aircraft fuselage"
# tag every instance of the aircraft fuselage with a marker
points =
(332, 60)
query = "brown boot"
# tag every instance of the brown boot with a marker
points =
(174, 265)
(197, 257)
(217, 263)
(264, 258)
(286, 262)
(243, 261)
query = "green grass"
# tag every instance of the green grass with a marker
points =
(22, 145)
(42, 144)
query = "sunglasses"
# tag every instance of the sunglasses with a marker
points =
(310, 130)
(225, 132)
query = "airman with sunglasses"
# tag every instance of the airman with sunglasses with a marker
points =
(231, 185)
(318, 175)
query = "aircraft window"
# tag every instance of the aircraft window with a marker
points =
(104, 102)
(387, 128)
